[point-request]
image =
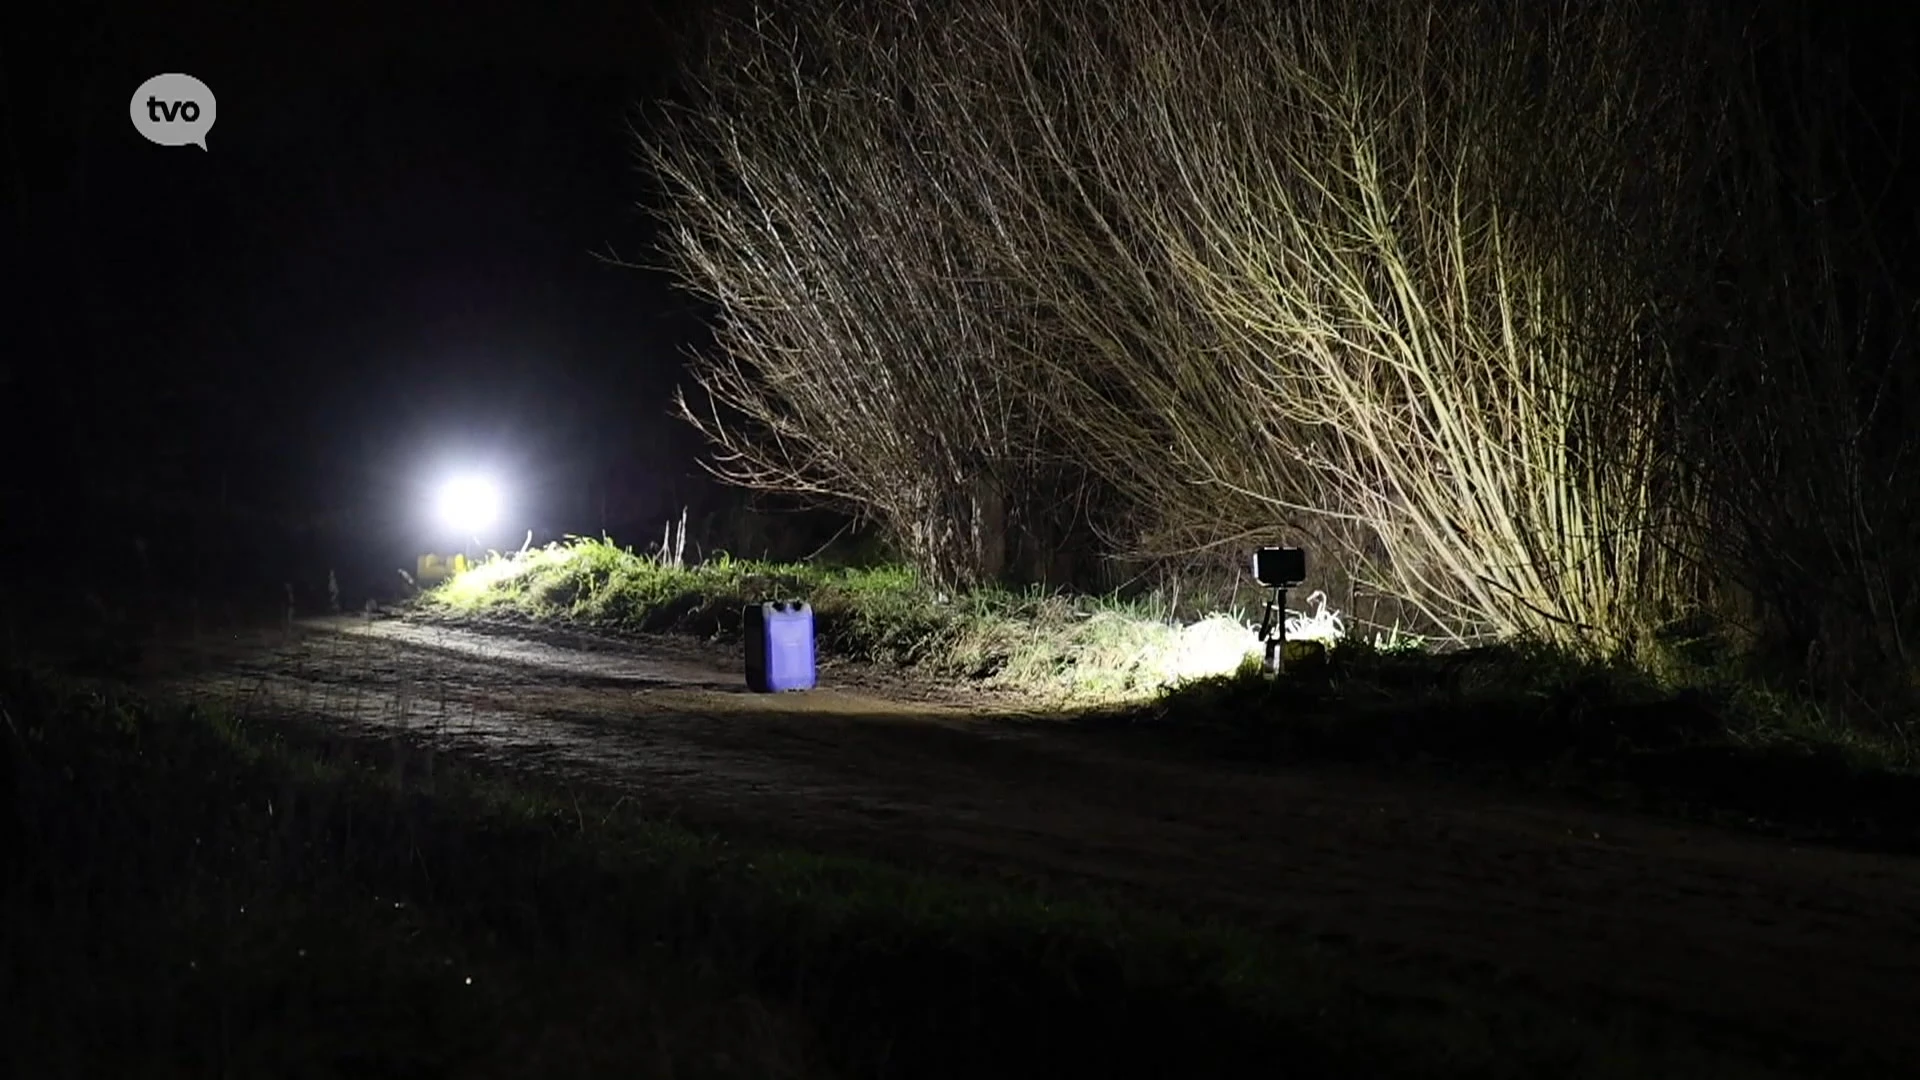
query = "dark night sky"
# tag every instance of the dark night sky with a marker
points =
(385, 261)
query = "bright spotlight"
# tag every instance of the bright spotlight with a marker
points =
(470, 505)
(1278, 569)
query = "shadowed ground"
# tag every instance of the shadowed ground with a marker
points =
(1580, 906)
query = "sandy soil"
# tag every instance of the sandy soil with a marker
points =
(1578, 904)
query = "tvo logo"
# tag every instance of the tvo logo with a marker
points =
(173, 110)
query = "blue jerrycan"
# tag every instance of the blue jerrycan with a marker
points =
(779, 647)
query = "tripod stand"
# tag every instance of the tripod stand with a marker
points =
(1273, 633)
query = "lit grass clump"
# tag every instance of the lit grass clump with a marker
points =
(1077, 649)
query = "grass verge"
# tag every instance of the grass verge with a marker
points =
(1079, 649)
(191, 895)
(1700, 741)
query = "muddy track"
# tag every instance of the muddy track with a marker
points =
(1756, 933)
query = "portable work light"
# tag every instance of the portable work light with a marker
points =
(469, 505)
(1278, 569)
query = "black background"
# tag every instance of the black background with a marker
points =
(392, 260)
(397, 257)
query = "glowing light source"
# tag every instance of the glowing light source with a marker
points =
(1279, 569)
(469, 504)
(1216, 645)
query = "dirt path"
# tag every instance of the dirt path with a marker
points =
(1754, 932)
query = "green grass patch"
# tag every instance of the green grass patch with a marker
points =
(188, 894)
(1071, 648)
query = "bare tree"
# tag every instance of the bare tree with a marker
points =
(863, 356)
(1426, 280)
(1384, 266)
